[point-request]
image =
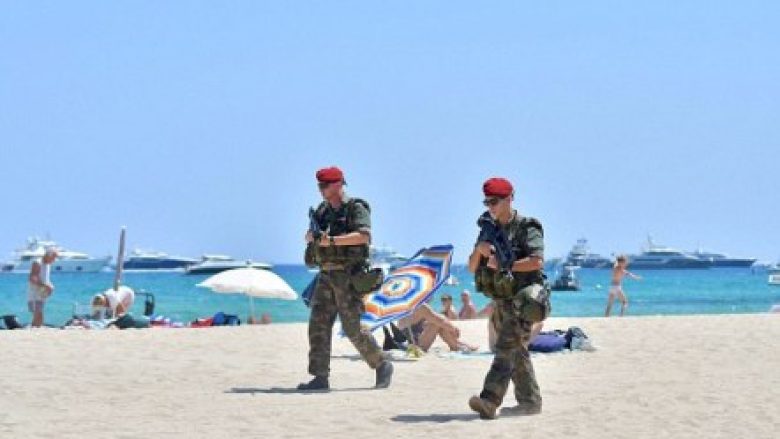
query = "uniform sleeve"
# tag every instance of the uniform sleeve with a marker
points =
(361, 218)
(536, 240)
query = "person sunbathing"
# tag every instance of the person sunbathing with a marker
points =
(426, 324)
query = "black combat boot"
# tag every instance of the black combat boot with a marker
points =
(317, 383)
(384, 374)
(485, 408)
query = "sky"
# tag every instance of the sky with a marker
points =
(200, 125)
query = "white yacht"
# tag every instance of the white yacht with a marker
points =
(580, 256)
(656, 256)
(67, 261)
(386, 258)
(774, 275)
(721, 260)
(211, 264)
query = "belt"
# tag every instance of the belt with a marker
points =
(332, 267)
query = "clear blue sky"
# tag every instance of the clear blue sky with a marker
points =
(199, 125)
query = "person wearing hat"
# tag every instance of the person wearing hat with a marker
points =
(512, 323)
(341, 253)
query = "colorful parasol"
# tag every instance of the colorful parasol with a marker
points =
(408, 286)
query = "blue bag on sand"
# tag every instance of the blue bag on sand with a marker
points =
(222, 319)
(547, 342)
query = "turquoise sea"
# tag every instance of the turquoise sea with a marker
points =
(711, 291)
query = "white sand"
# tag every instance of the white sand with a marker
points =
(668, 377)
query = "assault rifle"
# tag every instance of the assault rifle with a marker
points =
(491, 231)
(314, 225)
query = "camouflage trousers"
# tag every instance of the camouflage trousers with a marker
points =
(335, 296)
(512, 360)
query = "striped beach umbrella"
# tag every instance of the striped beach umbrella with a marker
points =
(408, 286)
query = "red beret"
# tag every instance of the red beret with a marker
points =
(497, 187)
(330, 175)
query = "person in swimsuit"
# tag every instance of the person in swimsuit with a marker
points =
(426, 324)
(447, 309)
(468, 310)
(616, 287)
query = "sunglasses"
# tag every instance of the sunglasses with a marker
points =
(492, 201)
(324, 185)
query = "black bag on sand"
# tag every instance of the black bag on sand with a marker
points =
(11, 322)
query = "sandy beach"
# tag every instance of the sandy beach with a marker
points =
(703, 376)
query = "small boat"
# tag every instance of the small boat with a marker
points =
(211, 264)
(152, 260)
(385, 258)
(774, 276)
(567, 280)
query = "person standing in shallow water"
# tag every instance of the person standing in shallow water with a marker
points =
(616, 286)
(513, 321)
(341, 253)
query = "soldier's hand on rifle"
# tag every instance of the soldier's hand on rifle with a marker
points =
(324, 240)
(492, 262)
(309, 237)
(485, 249)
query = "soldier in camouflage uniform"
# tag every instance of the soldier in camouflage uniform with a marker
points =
(511, 317)
(341, 254)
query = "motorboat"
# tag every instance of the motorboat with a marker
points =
(154, 260)
(452, 281)
(386, 258)
(580, 256)
(211, 264)
(67, 261)
(774, 275)
(656, 256)
(567, 280)
(721, 260)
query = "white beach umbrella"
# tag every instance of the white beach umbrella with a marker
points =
(252, 282)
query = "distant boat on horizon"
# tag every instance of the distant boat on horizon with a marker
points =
(386, 258)
(774, 275)
(67, 261)
(212, 264)
(654, 257)
(722, 260)
(155, 260)
(580, 256)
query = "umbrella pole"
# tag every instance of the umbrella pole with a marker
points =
(251, 309)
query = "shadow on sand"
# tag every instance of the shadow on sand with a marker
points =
(438, 418)
(291, 390)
